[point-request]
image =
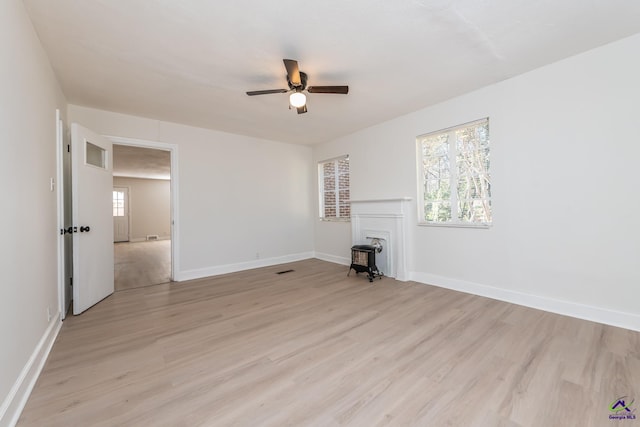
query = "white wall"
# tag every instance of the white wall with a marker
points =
(240, 198)
(564, 181)
(29, 96)
(149, 207)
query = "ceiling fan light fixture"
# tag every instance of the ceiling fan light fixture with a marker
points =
(297, 82)
(297, 99)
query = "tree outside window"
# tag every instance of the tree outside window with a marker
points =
(456, 184)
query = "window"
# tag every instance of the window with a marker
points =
(454, 170)
(333, 183)
(118, 203)
(96, 156)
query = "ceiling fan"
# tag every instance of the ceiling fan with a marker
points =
(297, 81)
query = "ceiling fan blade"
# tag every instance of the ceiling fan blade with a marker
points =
(266, 92)
(302, 110)
(293, 72)
(329, 89)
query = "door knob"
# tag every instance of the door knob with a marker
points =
(83, 229)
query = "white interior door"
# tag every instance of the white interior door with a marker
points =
(120, 214)
(92, 185)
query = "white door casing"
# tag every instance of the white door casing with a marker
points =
(121, 214)
(92, 186)
(65, 240)
(68, 218)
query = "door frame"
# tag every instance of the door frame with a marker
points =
(128, 205)
(60, 188)
(173, 185)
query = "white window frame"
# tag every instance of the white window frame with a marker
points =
(453, 172)
(117, 209)
(321, 190)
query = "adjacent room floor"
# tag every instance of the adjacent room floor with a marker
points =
(142, 264)
(313, 347)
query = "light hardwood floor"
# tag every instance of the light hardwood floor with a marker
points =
(141, 264)
(317, 348)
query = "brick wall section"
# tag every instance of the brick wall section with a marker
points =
(336, 198)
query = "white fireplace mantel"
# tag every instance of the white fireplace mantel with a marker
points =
(385, 219)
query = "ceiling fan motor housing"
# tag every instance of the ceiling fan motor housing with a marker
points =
(303, 82)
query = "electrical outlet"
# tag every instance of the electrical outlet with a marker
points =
(48, 314)
(257, 255)
(52, 184)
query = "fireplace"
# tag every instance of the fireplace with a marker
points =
(385, 222)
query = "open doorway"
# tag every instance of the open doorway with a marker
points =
(142, 216)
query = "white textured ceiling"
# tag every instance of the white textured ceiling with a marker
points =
(191, 61)
(138, 162)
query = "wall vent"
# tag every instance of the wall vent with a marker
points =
(152, 237)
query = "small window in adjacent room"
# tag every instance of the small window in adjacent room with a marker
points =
(455, 187)
(333, 189)
(118, 203)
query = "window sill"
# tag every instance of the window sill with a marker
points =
(454, 225)
(335, 219)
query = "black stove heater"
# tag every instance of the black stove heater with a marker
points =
(363, 260)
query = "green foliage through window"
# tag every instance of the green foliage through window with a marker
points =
(455, 175)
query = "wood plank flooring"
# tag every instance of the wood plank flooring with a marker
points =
(140, 264)
(317, 348)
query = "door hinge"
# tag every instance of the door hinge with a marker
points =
(68, 148)
(70, 281)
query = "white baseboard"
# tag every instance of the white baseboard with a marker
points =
(566, 308)
(144, 239)
(241, 266)
(332, 258)
(17, 398)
